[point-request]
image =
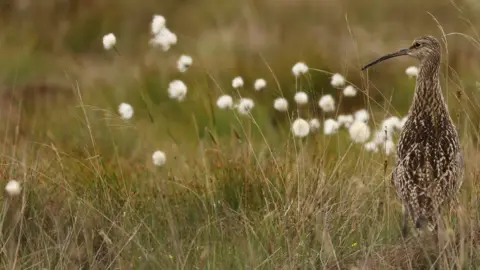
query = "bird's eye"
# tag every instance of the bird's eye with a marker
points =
(416, 45)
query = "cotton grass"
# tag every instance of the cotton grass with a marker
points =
(259, 84)
(237, 82)
(361, 115)
(411, 71)
(359, 132)
(225, 102)
(158, 23)
(159, 158)
(13, 188)
(184, 62)
(280, 104)
(300, 128)
(345, 120)
(245, 105)
(125, 110)
(314, 124)
(330, 127)
(349, 91)
(327, 103)
(301, 98)
(337, 80)
(177, 90)
(109, 41)
(299, 68)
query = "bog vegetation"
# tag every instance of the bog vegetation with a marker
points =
(222, 134)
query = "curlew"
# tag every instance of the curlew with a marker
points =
(428, 170)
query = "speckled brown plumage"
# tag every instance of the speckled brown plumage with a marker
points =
(429, 164)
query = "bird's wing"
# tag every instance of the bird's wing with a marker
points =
(449, 182)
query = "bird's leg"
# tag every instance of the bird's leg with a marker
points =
(404, 221)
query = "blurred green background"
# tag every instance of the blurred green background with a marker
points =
(50, 47)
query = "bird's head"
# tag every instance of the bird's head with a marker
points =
(421, 48)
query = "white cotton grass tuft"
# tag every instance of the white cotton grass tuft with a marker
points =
(125, 110)
(361, 115)
(411, 71)
(327, 103)
(391, 124)
(403, 121)
(13, 188)
(177, 90)
(225, 102)
(330, 126)
(184, 62)
(349, 91)
(380, 137)
(245, 105)
(237, 82)
(301, 98)
(159, 158)
(164, 38)
(389, 147)
(259, 84)
(371, 147)
(109, 41)
(337, 80)
(314, 124)
(299, 69)
(359, 132)
(345, 120)
(158, 23)
(300, 128)
(280, 104)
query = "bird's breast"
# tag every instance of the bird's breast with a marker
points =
(428, 145)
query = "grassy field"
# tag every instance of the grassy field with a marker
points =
(236, 191)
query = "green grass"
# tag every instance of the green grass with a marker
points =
(237, 192)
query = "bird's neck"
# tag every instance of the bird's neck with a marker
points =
(428, 98)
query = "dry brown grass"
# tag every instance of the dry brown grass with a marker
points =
(237, 192)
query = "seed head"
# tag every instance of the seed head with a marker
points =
(345, 120)
(403, 121)
(260, 84)
(280, 104)
(109, 41)
(381, 137)
(177, 90)
(237, 82)
(184, 62)
(359, 132)
(301, 98)
(125, 110)
(412, 71)
(314, 124)
(225, 102)
(330, 126)
(371, 147)
(326, 103)
(13, 188)
(361, 115)
(158, 23)
(299, 69)
(337, 80)
(159, 158)
(349, 91)
(300, 128)
(390, 124)
(164, 38)
(245, 105)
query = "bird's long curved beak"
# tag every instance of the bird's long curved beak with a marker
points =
(385, 57)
